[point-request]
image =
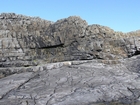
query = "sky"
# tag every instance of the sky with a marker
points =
(120, 15)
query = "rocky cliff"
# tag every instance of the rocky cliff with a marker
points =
(66, 62)
(24, 38)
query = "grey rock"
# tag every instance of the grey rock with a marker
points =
(66, 39)
(66, 62)
(73, 83)
(12, 82)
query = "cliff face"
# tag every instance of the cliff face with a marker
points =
(29, 45)
(25, 38)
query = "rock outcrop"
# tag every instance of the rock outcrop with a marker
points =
(74, 83)
(25, 38)
(66, 62)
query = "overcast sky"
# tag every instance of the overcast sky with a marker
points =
(120, 15)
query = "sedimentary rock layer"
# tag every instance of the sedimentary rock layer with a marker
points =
(74, 83)
(24, 38)
(93, 63)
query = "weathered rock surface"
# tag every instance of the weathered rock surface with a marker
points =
(24, 38)
(78, 83)
(93, 63)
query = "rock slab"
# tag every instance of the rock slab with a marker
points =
(83, 83)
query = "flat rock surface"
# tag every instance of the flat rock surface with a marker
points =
(75, 84)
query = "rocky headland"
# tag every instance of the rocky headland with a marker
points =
(66, 62)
